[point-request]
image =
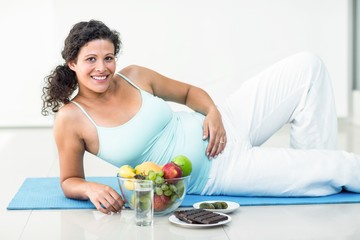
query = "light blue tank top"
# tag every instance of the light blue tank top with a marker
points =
(157, 134)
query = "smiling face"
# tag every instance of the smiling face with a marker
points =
(95, 66)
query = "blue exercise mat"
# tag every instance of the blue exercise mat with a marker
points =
(46, 193)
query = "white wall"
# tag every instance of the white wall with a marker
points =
(215, 44)
(356, 84)
(26, 42)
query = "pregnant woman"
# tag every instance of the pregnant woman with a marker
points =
(123, 117)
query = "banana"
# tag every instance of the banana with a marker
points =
(126, 171)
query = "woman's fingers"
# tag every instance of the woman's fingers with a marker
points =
(115, 201)
(216, 145)
(100, 208)
(215, 132)
(220, 146)
(106, 199)
(108, 205)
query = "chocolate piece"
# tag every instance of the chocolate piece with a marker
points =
(199, 216)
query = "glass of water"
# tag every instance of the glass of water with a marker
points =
(144, 202)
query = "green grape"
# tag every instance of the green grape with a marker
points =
(160, 173)
(145, 198)
(174, 197)
(181, 188)
(158, 191)
(168, 193)
(159, 180)
(173, 188)
(145, 205)
(152, 175)
(164, 187)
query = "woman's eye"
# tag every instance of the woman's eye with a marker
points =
(109, 59)
(91, 59)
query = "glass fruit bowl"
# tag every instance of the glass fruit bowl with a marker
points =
(168, 195)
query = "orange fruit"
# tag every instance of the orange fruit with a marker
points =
(145, 167)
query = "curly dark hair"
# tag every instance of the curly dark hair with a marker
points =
(62, 82)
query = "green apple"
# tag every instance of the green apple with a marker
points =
(184, 163)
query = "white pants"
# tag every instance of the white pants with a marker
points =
(295, 91)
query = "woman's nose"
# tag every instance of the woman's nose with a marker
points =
(100, 67)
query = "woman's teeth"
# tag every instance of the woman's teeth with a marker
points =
(100, 78)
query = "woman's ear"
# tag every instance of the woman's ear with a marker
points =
(72, 65)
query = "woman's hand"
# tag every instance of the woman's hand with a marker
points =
(214, 131)
(105, 199)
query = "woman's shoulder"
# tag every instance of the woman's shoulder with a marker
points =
(135, 72)
(67, 116)
(139, 75)
(133, 69)
(67, 111)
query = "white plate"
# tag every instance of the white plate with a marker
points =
(232, 206)
(177, 221)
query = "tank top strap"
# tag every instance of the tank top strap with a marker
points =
(86, 114)
(128, 80)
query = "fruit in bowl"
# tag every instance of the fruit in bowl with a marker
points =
(169, 185)
(168, 196)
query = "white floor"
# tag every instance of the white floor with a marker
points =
(31, 153)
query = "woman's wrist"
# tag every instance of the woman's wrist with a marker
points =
(213, 109)
(76, 188)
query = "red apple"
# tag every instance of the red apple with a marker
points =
(171, 170)
(160, 202)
